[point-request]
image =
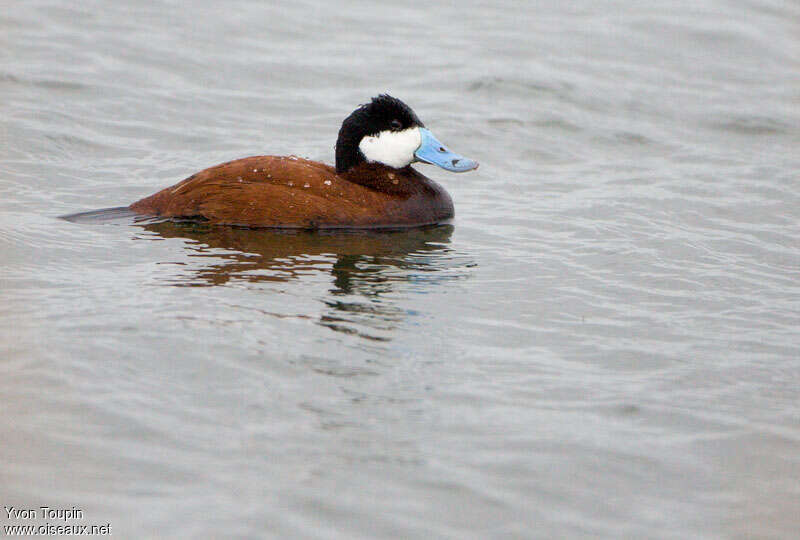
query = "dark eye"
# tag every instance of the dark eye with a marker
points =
(396, 125)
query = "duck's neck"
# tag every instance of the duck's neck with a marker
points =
(386, 179)
(348, 155)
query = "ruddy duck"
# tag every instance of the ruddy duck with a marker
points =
(373, 184)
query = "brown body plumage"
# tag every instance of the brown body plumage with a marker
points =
(292, 192)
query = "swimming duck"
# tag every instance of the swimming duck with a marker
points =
(373, 184)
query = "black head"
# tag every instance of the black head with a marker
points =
(383, 113)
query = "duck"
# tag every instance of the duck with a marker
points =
(372, 185)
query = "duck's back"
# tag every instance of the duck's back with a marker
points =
(277, 191)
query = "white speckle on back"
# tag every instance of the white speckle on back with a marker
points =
(306, 185)
(327, 182)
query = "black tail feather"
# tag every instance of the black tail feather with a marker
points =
(104, 215)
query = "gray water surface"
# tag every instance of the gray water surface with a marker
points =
(606, 342)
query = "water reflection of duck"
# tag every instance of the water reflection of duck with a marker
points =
(365, 265)
(278, 255)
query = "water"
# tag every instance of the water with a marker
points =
(605, 342)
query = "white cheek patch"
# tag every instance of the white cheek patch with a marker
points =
(393, 148)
